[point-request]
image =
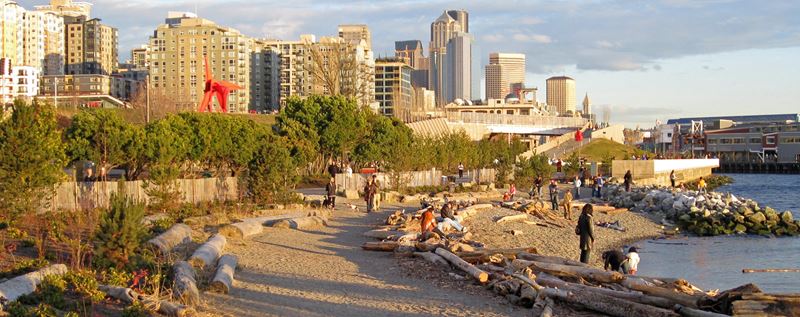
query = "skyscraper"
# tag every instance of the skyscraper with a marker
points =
(412, 53)
(561, 94)
(451, 24)
(504, 72)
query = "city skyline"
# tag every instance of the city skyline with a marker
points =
(646, 61)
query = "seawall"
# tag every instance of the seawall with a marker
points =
(656, 172)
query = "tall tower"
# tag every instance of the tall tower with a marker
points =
(504, 72)
(561, 94)
(587, 107)
(450, 24)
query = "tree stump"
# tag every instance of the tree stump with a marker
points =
(164, 243)
(185, 288)
(223, 278)
(208, 253)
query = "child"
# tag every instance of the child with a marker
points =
(632, 263)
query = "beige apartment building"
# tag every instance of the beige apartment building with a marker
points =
(355, 33)
(32, 38)
(68, 8)
(504, 72)
(176, 62)
(281, 69)
(393, 90)
(91, 46)
(561, 94)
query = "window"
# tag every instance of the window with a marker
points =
(791, 140)
(771, 140)
(712, 141)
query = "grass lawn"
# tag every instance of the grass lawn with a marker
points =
(599, 149)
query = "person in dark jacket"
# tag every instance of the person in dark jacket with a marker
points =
(330, 189)
(553, 194)
(585, 229)
(613, 259)
(628, 180)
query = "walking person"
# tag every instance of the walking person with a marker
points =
(632, 262)
(582, 174)
(628, 180)
(577, 182)
(460, 170)
(598, 186)
(330, 189)
(369, 195)
(376, 193)
(585, 230)
(672, 178)
(538, 184)
(553, 195)
(567, 204)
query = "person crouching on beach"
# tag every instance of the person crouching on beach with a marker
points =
(613, 259)
(586, 231)
(632, 261)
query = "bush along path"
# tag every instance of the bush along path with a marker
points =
(705, 214)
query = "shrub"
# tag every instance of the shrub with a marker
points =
(137, 309)
(120, 233)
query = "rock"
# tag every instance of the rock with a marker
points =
(467, 185)
(787, 218)
(740, 229)
(757, 218)
(516, 232)
(351, 194)
(771, 214)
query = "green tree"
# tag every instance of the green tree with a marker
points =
(167, 150)
(572, 165)
(120, 232)
(342, 124)
(272, 173)
(529, 168)
(101, 136)
(298, 122)
(31, 159)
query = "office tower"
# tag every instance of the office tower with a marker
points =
(457, 84)
(451, 24)
(504, 72)
(91, 46)
(587, 110)
(355, 33)
(68, 8)
(561, 94)
(393, 90)
(178, 49)
(412, 53)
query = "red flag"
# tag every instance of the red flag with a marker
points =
(578, 135)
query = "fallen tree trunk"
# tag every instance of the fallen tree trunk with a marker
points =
(483, 255)
(607, 304)
(176, 235)
(691, 312)
(185, 288)
(384, 234)
(253, 226)
(527, 296)
(433, 258)
(478, 274)
(223, 278)
(569, 270)
(549, 259)
(208, 253)
(129, 296)
(634, 296)
(302, 223)
(387, 246)
(643, 286)
(25, 284)
(512, 218)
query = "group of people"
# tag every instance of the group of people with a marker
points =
(613, 259)
(446, 221)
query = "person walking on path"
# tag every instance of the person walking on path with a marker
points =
(567, 204)
(553, 194)
(376, 193)
(369, 195)
(598, 186)
(672, 178)
(632, 262)
(628, 180)
(330, 189)
(460, 170)
(577, 182)
(586, 231)
(701, 185)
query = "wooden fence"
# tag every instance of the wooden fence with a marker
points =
(433, 177)
(77, 195)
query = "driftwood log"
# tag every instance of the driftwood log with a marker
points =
(208, 253)
(549, 259)
(223, 278)
(386, 246)
(129, 296)
(185, 288)
(433, 258)
(607, 304)
(253, 226)
(512, 218)
(588, 273)
(470, 211)
(759, 304)
(635, 296)
(478, 274)
(25, 284)
(691, 312)
(164, 243)
(302, 223)
(483, 255)
(384, 234)
(643, 286)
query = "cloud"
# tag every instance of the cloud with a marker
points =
(493, 38)
(535, 38)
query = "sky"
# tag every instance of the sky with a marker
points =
(641, 60)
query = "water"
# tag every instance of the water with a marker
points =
(717, 262)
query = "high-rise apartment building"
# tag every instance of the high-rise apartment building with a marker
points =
(393, 90)
(561, 94)
(355, 33)
(178, 49)
(68, 8)
(17, 82)
(281, 69)
(31, 38)
(451, 24)
(139, 57)
(91, 46)
(504, 72)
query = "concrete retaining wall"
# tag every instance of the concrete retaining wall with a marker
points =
(656, 172)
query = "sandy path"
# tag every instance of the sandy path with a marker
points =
(325, 273)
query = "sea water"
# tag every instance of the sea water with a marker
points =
(717, 262)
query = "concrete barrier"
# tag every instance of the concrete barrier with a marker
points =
(656, 172)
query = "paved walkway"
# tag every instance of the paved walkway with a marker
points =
(325, 273)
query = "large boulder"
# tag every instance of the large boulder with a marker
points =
(787, 218)
(757, 218)
(771, 214)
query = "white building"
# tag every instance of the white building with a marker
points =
(17, 82)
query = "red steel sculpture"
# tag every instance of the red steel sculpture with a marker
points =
(220, 88)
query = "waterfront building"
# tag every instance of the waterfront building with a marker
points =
(281, 69)
(561, 94)
(393, 90)
(32, 38)
(458, 67)
(139, 57)
(450, 76)
(755, 143)
(178, 50)
(504, 72)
